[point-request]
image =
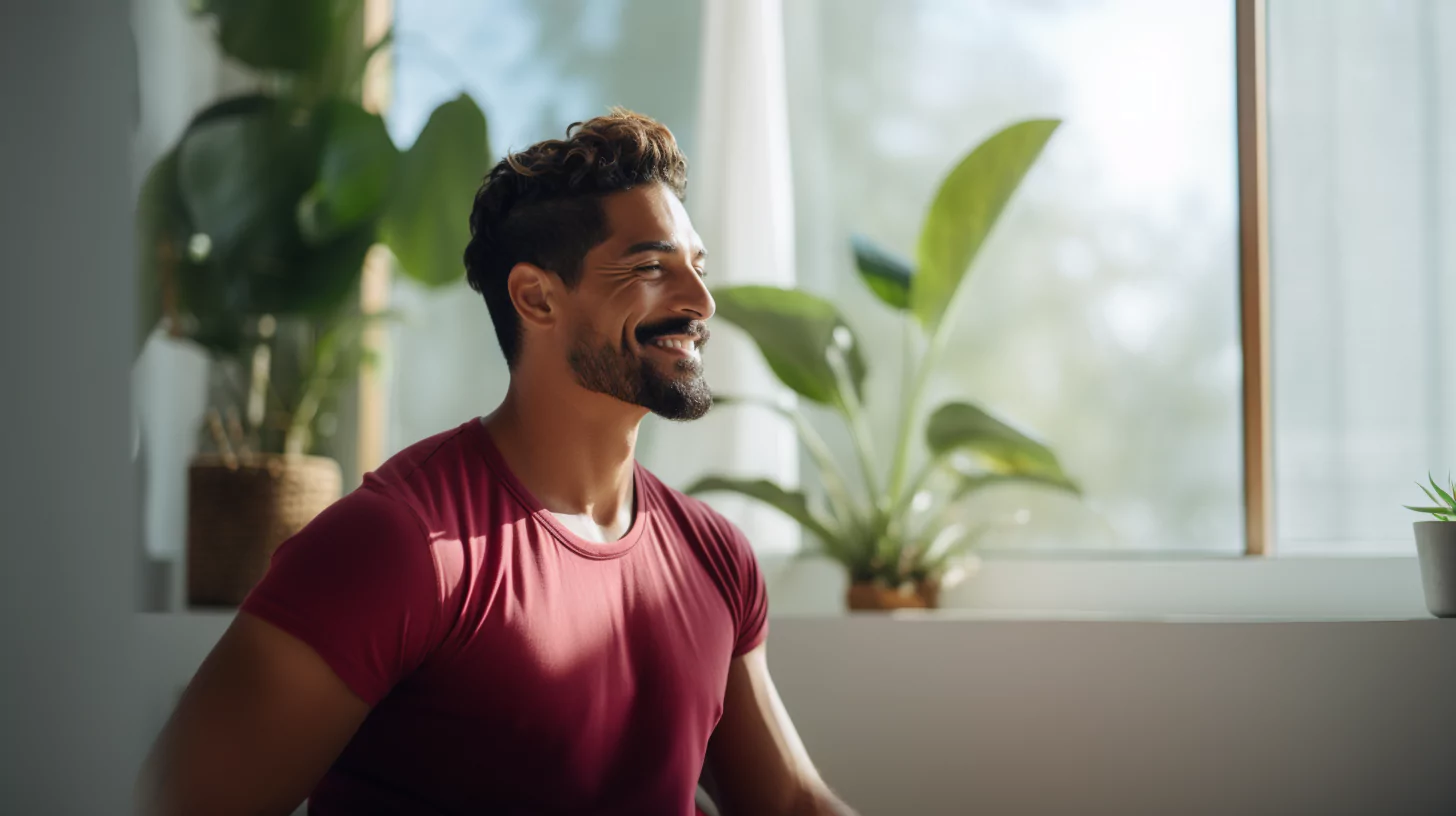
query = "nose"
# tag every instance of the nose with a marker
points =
(694, 298)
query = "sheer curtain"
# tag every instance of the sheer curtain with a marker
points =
(1363, 237)
(740, 196)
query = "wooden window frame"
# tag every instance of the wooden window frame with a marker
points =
(374, 284)
(1251, 57)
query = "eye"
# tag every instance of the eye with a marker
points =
(652, 267)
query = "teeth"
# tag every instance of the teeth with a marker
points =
(685, 345)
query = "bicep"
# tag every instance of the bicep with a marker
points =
(756, 759)
(256, 728)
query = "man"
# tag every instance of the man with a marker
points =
(513, 616)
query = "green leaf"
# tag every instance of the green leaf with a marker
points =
(887, 275)
(1435, 511)
(999, 447)
(1445, 497)
(355, 173)
(969, 202)
(243, 168)
(427, 221)
(242, 173)
(795, 331)
(791, 503)
(281, 35)
(974, 483)
(1429, 494)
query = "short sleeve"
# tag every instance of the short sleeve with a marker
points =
(752, 593)
(360, 586)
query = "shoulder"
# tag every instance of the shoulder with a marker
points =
(693, 516)
(725, 554)
(430, 476)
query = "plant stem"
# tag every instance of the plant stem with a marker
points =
(909, 416)
(841, 500)
(296, 440)
(859, 431)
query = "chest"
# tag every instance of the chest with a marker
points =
(571, 663)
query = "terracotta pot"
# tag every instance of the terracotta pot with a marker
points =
(238, 515)
(878, 596)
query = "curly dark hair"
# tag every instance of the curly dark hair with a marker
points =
(543, 205)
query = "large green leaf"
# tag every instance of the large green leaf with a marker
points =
(242, 171)
(355, 172)
(427, 221)
(791, 503)
(959, 427)
(796, 332)
(966, 484)
(887, 275)
(281, 35)
(969, 202)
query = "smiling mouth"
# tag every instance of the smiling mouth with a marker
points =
(688, 348)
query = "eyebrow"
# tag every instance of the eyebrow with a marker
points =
(659, 246)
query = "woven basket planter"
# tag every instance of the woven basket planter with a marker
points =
(238, 515)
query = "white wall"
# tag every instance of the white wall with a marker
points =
(940, 716)
(69, 734)
(957, 717)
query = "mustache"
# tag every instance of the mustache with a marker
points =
(697, 329)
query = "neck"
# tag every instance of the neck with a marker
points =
(573, 451)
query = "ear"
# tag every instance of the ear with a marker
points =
(533, 291)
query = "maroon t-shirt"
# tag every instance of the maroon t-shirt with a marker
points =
(512, 666)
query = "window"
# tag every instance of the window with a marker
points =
(534, 67)
(1104, 312)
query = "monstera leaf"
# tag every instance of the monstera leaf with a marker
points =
(356, 170)
(796, 332)
(280, 35)
(426, 224)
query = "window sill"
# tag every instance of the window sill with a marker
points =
(1092, 588)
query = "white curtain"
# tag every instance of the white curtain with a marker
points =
(740, 195)
(1363, 213)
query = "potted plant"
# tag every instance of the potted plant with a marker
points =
(252, 232)
(1436, 548)
(893, 535)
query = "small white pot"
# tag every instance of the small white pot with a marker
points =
(1436, 547)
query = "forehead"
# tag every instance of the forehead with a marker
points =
(647, 213)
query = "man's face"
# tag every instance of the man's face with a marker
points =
(638, 314)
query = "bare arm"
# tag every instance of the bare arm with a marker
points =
(257, 727)
(756, 760)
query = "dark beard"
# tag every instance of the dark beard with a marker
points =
(617, 372)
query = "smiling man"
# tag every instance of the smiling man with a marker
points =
(513, 616)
